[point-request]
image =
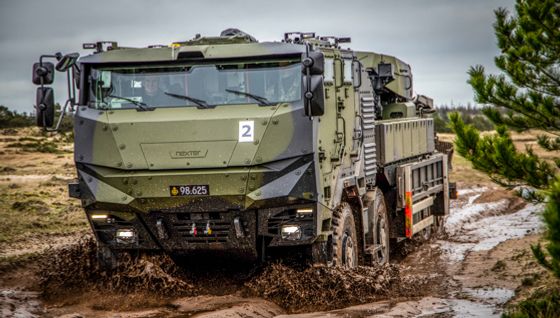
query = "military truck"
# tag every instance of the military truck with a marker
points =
(231, 145)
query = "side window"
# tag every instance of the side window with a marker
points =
(329, 70)
(357, 73)
(347, 69)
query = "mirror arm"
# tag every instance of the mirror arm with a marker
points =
(69, 102)
(71, 88)
(62, 114)
(41, 65)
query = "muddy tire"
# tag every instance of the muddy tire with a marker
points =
(107, 258)
(344, 241)
(438, 225)
(380, 228)
(426, 233)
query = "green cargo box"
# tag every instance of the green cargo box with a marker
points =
(400, 139)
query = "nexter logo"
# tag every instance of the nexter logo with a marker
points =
(188, 154)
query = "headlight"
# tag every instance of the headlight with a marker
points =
(126, 236)
(291, 232)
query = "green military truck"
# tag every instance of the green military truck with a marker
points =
(237, 146)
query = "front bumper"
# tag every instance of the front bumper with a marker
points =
(182, 232)
(245, 206)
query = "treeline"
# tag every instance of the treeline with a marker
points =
(471, 115)
(13, 119)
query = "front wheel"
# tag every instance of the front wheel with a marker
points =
(345, 244)
(106, 257)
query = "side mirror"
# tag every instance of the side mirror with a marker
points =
(314, 96)
(44, 71)
(44, 107)
(315, 62)
(67, 61)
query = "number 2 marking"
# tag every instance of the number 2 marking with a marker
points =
(246, 131)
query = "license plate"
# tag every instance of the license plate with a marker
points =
(186, 190)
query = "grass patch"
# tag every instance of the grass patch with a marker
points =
(11, 262)
(464, 173)
(543, 304)
(7, 169)
(499, 266)
(36, 145)
(28, 214)
(529, 280)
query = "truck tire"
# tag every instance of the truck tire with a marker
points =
(345, 243)
(438, 228)
(380, 228)
(107, 258)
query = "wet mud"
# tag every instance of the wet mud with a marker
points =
(327, 288)
(470, 270)
(74, 269)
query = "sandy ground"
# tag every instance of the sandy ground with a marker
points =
(472, 270)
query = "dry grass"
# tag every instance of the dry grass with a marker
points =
(463, 172)
(34, 203)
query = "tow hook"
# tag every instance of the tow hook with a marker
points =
(238, 228)
(193, 230)
(162, 234)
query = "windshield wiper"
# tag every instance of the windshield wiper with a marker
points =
(197, 101)
(140, 105)
(260, 99)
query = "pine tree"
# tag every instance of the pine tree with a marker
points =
(526, 96)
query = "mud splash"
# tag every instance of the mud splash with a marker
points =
(75, 268)
(327, 288)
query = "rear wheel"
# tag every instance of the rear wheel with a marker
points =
(345, 244)
(438, 225)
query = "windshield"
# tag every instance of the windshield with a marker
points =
(199, 86)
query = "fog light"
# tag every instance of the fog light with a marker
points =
(125, 236)
(99, 217)
(291, 232)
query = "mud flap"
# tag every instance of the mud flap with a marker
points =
(321, 252)
(453, 191)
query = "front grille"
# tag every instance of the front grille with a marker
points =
(193, 227)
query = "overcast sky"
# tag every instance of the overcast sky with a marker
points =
(439, 38)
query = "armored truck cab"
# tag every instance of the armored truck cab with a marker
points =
(227, 144)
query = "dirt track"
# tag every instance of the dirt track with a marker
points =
(472, 271)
